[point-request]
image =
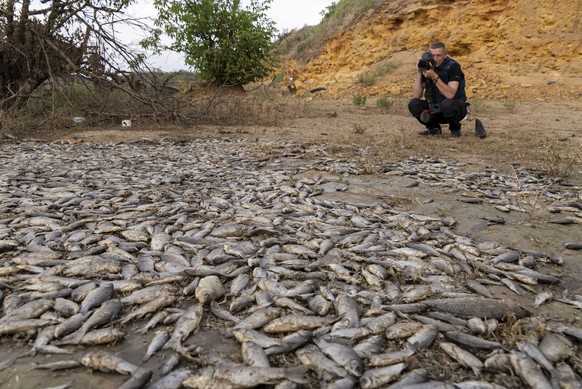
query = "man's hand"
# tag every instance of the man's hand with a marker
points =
(430, 73)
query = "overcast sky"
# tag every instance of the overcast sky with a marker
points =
(287, 15)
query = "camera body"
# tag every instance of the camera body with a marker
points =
(426, 61)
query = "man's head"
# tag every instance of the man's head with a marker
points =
(439, 52)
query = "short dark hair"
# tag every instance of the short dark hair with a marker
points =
(438, 45)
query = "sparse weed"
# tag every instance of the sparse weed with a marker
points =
(359, 129)
(359, 100)
(558, 160)
(384, 104)
(509, 105)
(366, 79)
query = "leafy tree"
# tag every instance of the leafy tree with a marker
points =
(224, 42)
(44, 40)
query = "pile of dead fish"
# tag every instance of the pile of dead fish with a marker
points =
(168, 238)
(522, 191)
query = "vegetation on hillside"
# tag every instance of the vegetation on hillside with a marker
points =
(307, 42)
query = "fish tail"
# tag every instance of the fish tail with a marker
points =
(297, 374)
(173, 344)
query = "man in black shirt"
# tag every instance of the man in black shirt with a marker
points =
(443, 84)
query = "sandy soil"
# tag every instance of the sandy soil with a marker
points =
(534, 135)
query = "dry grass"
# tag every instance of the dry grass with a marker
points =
(370, 133)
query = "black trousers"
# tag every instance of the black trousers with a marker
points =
(452, 112)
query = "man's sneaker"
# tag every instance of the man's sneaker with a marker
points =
(430, 131)
(455, 134)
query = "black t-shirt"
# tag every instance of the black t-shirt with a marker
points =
(455, 73)
(449, 70)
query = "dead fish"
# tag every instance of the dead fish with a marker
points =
(186, 324)
(239, 283)
(138, 380)
(102, 336)
(21, 326)
(422, 338)
(529, 371)
(345, 356)
(148, 294)
(473, 341)
(556, 347)
(462, 356)
(254, 355)
(500, 362)
(440, 325)
(156, 319)
(250, 335)
(477, 326)
(381, 376)
(240, 303)
(479, 288)
(573, 245)
(107, 362)
(104, 314)
(319, 305)
(222, 313)
(285, 302)
(291, 342)
(416, 376)
(152, 306)
(66, 308)
(159, 340)
(171, 362)
(70, 325)
(511, 285)
(379, 324)
(259, 318)
(209, 289)
(240, 376)
(477, 385)
(402, 330)
(96, 297)
(390, 358)
(542, 297)
(479, 307)
(370, 346)
(30, 310)
(81, 291)
(57, 365)
(417, 293)
(345, 335)
(171, 380)
(567, 377)
(507, 257)
(313, 357)
(536, 354)
(292, 323)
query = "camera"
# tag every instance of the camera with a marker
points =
(426, 61)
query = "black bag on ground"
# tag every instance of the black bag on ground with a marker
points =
(479, 129)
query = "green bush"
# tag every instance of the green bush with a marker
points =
(225, 42)
(359, 100)
(384, 103)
